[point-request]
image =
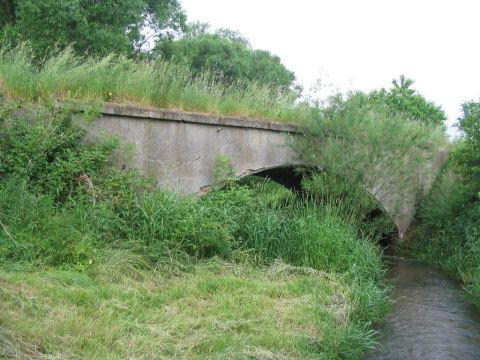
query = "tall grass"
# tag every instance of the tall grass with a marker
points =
(63, 209)
(236, 225)
(358, 139)
(152, 83)
(447, 232)
(448, 222)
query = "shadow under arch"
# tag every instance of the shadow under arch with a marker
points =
(291, 177)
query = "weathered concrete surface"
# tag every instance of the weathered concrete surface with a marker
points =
(180, 150)
(400, 200)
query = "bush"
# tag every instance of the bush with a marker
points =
(447, 232)
(37, 231)
(45, 150)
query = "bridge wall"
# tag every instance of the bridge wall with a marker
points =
(180, 149)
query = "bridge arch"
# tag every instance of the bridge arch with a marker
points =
(180, 149)
(285, 175)
(291, 177)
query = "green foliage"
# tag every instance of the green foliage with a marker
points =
(368, 145)
(7, 15)
(223, 172)
(353, 202)
(467, 155)
(154, 83)
(310, 235)
(93, 27)
(46, 152)
(36, 231)
(350, 197)
(228, 55)
(401, 98)
(269, 192)
(447, 233)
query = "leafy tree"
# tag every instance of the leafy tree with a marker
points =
(7, 13)
(94, 27)
(228, 54)
(401, 98)
(467, 156)
(196, 28)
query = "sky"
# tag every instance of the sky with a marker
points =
(363, 45)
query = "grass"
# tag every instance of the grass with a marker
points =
(447, 232)
(215, 310)
(73, 295)
(156, 83)
(96, 263)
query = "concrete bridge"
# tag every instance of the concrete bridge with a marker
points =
(181, 150)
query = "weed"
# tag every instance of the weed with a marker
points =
(129, 270)
(152, 83)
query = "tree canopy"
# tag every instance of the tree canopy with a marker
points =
(401, 98)
(467, 156)
(228, 54)
(93, 27)
(135, 27)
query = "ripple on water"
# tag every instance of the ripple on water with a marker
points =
(430, 319)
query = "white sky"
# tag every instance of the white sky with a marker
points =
(363, 44)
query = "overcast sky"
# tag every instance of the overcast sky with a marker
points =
(353, 44)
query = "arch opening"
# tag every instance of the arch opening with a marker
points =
(375, 217)
(287, 176)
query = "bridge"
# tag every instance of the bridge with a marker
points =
(181, 150)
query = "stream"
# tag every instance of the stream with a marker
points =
(430, 319)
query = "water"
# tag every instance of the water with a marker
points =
(431, 318)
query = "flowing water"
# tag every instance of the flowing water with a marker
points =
(431, 320)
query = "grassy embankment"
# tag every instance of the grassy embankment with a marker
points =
(447, 233)
(99, 264)
(148, 83)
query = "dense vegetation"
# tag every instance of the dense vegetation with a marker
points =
(158, 83)
(360, 138)
(138, 29)
(448, 226)
(99, 263)
(93, 27)
(97, 238)
(229, 55)
(401, 98)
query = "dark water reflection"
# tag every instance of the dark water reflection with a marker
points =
(430, 320)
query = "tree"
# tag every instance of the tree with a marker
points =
(93, 27)
(228, 54)
(466, 156)
(401, 98)
(7, 13)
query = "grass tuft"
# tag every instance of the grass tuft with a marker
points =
(157, 83)
(100, 264)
